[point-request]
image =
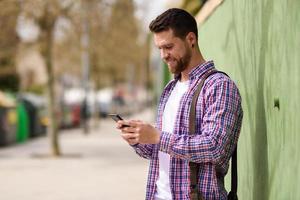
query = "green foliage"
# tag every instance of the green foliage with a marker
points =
(37, 89)
(122, 39)
(192, 6)
(9, 82)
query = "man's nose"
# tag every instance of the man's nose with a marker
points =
(164, 54)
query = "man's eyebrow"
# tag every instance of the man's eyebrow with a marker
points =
(165, 45)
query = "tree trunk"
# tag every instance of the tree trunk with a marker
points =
(53, 130)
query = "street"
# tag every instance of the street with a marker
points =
(97, 166)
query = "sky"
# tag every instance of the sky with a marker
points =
(149, 9)
(155, 7)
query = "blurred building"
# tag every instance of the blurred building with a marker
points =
(29, 62)
(30, 66)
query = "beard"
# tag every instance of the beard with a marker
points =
(179, 65)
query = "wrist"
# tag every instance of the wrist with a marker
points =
(157, 138)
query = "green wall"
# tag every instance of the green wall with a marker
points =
(257, 42)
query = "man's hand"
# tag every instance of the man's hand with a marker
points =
(139, 132)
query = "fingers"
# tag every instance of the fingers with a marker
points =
(129, 136)
(132, 123)
(122, 123)
(129, 130)
(130, 133)
(135, 123)
(132, 139)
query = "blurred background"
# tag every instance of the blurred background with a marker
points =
(66, 64)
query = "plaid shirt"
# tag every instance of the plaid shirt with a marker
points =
(218, 122)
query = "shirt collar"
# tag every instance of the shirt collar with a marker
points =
(199, 70)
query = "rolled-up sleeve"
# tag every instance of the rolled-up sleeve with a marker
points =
(214, 141)
(144, 150)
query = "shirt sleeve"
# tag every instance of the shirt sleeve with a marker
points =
(219, 131)
(144, 150)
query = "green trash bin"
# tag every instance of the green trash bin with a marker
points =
(34, 106)
(22, 126)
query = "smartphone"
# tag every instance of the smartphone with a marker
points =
(116, 118)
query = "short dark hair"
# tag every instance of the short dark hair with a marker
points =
(179, 20)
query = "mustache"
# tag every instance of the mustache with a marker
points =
(168, 59)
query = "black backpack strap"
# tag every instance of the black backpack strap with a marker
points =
(192, 114)
(234, 177)
(194, 167)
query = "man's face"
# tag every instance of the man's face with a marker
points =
(174, 51)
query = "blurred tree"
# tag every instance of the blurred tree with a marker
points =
(8, 44)
(116, 48)
(46, 14)
(192, 6)
(201, 9)
(98, 43)
(124, 53)
(69, 41)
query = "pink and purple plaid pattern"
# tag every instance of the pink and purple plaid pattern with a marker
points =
(219, 118)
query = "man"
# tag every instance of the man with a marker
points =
(169, 146)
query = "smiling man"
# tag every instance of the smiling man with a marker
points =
(169, 146)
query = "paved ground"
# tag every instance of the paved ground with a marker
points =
(98, 166)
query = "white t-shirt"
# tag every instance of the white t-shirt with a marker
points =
(163, 191)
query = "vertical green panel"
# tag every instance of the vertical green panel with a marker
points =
(258, 43)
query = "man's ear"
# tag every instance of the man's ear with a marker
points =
(191, 38)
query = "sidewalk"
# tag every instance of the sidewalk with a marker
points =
(97, 166)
